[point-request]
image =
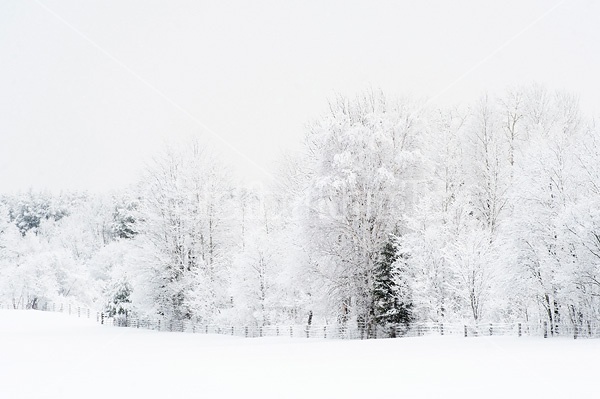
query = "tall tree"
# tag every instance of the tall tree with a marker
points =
(362, 163)
(183, 223)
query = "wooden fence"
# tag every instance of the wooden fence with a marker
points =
(67, 308)
(329, 331)
(354, 331)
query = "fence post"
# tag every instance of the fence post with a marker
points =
(260, 331)
(277, 330)
(325, 332)
(291, 332)
(307, 331)
(102, 318)
(232, 330)
(519, 329)
(545, 329)
(88, 313)
(441, 328)
(246, 331)
(465, 331)
(78, 311)
(575, 332)
(491, 330)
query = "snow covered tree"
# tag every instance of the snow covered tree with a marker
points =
(253, 276)
(183, 224)
(28, 210)
(120, 299)
(124, 217)
(439, 217)
(488, 169)
(544, 186)
(471, 261)
(362, 163)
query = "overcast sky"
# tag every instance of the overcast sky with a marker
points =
(89, 90)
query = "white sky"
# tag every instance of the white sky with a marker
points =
(86, 114)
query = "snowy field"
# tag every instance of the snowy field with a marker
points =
(52, 355)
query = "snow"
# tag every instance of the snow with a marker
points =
(52, 355)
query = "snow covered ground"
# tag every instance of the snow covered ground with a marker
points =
(52, 355)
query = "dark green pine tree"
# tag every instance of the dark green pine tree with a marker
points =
(392, 306)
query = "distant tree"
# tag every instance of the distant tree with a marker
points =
(124, 218)
(28, 210)
(120, 299)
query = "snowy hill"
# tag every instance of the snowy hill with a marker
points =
(52, 355)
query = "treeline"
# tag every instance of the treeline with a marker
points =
(392, 213)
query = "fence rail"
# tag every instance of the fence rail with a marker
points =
(353, 331)
(329, 331)
(58, 307)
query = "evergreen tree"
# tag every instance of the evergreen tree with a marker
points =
(28, 211)
(390, 305)
(120, 302)
(124, 219)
